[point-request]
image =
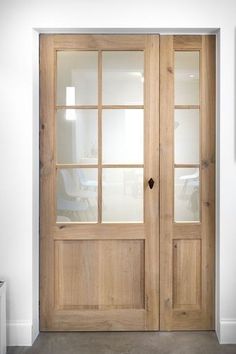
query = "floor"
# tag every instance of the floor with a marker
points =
(126, 343)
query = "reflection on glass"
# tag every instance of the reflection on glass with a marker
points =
(187, 194)
(77, 138)
(123, 77)
(77, 195)
(186, 136)
(122, 195)
(77, 77)
(122, 136)
(186, 78)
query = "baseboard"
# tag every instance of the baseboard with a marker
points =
(227, 331)
(19, 333)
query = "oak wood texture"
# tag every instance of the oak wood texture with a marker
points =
(97, 276)
(102, 106)
(182, 42)
(187, 106)
(187, 249)
(186, 277)
(94, 274)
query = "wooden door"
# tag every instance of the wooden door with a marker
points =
(187, 182)
(99, 219)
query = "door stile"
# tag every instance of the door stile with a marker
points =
(166, 178)
(46, 178)
(152, 170)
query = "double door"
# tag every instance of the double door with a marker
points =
(127, 182)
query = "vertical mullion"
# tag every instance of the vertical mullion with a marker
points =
(99, 136)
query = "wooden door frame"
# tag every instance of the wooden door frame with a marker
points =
(162, 32)
(198, 315)
(54, 317)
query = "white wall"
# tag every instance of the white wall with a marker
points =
(19, 131)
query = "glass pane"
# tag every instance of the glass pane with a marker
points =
(122, 195)
(122, 136)
(187, 194)
(123, 77)
(77, 136)
(77, 195)
(186, 136)
(186, 78)
(77, 77)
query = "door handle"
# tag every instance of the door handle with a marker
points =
(151, 183)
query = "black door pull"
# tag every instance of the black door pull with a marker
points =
(151, 183)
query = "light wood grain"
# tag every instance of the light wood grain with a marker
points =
(47, 172)
(105, 320)
(187, 165)
(106, 276)
(183, 308)
(208, 88)
(187, 274)
(187, 106)
(99, 276)
(102, 106)
(99, 231)
(166, 180)
(151, 170)
(104, 165)
(186, 42)
(96, 42)
(187, 230)
(58, 107)
(99, 136)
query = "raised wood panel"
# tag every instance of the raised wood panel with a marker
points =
(99, 274)
(187, 274)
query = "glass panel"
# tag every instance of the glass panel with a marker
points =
(186, 78)
(122, 136)
(77, 77)
(187, 194)
(186, 136)
(77, 136)
(123, 77)
(77, 195)
(122, 195)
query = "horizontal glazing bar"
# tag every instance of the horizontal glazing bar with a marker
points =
(123, 106)
(186, 165)
(191, 223)
(77, 107)
(122, 165)
(103, 107)
(103, 166)
(76, 165)
(187, 106)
